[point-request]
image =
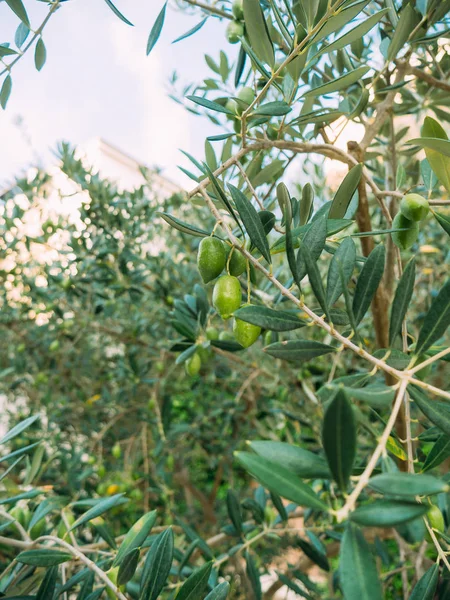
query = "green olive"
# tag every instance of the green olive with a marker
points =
(116, 451)
(193, 365)
(235, 31)
(211, 258)
(246, 94)
(404, 239)
(238, 9)
(226, 336)
(414, 207)
(227, 296)
(212, 333)
(436, 520)
(245, 333)
(238, 262)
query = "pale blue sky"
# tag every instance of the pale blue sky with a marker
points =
(98, 82)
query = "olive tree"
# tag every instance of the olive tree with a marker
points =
(348, 284)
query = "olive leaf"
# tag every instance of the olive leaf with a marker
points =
(368, 282)
(402, 299)
(357, 568)
(156, 29)
(344, 195)
(436, 320)
(256, 28)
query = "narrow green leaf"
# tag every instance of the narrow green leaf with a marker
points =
(314, 239)
(19, 9)
(344, 195)
(402, 32)
(439, 163)
(368, 282)
(40, 54)
(22, 32)
(43, 557)
(100, 508)
(425, 588)
(315, 278)
(354, 34)
(306, 203)
(402, 299)
(436, 320)
(268, 174)
(376, 395)
(210, 104)
(341, 83)
(285, 202)
(314, 554)
(407, 484)
(357, 568)
(47, 588)
(278, 504)
(118, 13)
(443, 220)
(6, 51)
(273, 109)
(303, 463)
(157, 566)
(280, 480)
(253, 576)
(256, 28)
(251, 221)
(345, 256)
(234, 510)
(182, 226)
(340, 20)
(437, 144)
(5, 92)
(339, 438)
(191, 31)
(269, 318)
(15, 431)
(387, 513)
(220, 592)
(436, 412)
(298, 350)
(194, 587)
(128, 566)
(221, 194)
(136, 536)
(156, 29)
(438, 453)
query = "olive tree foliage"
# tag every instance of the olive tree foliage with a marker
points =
(350, 285)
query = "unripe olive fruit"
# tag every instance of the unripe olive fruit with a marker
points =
(232, 105)
(245, 333)
(204, 353)
(238, 9)
(414, 207)
(54, 346)
(435, 519)
(227, 295)
(17, 513)
(21, 348)
(193, 365)
(211, 258)
(246, 94)
(235, 31)
(226, 336)
(101, 471)
(237, 264)
(404, 239)
(116, 451)
(212, 333)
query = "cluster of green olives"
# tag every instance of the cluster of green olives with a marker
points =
(212, 258)
(413, 208)
(236, 28)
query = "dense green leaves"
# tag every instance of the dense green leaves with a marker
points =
(354, 34)
(280, 480)
(357, 569)
(436, 411)
(402, 299)
(438, 453)
(47, 588)
(387, 513)
(156, 29)
(341, 83)
(298, 350)
(251, 221)
(436, 320)
(368, 282)
(101, 507)
(339, 438)
(407, 484)
(344, 195)
(136, 536)
(220, 592)
(405, 25)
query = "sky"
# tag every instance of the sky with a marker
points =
(98, 82)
